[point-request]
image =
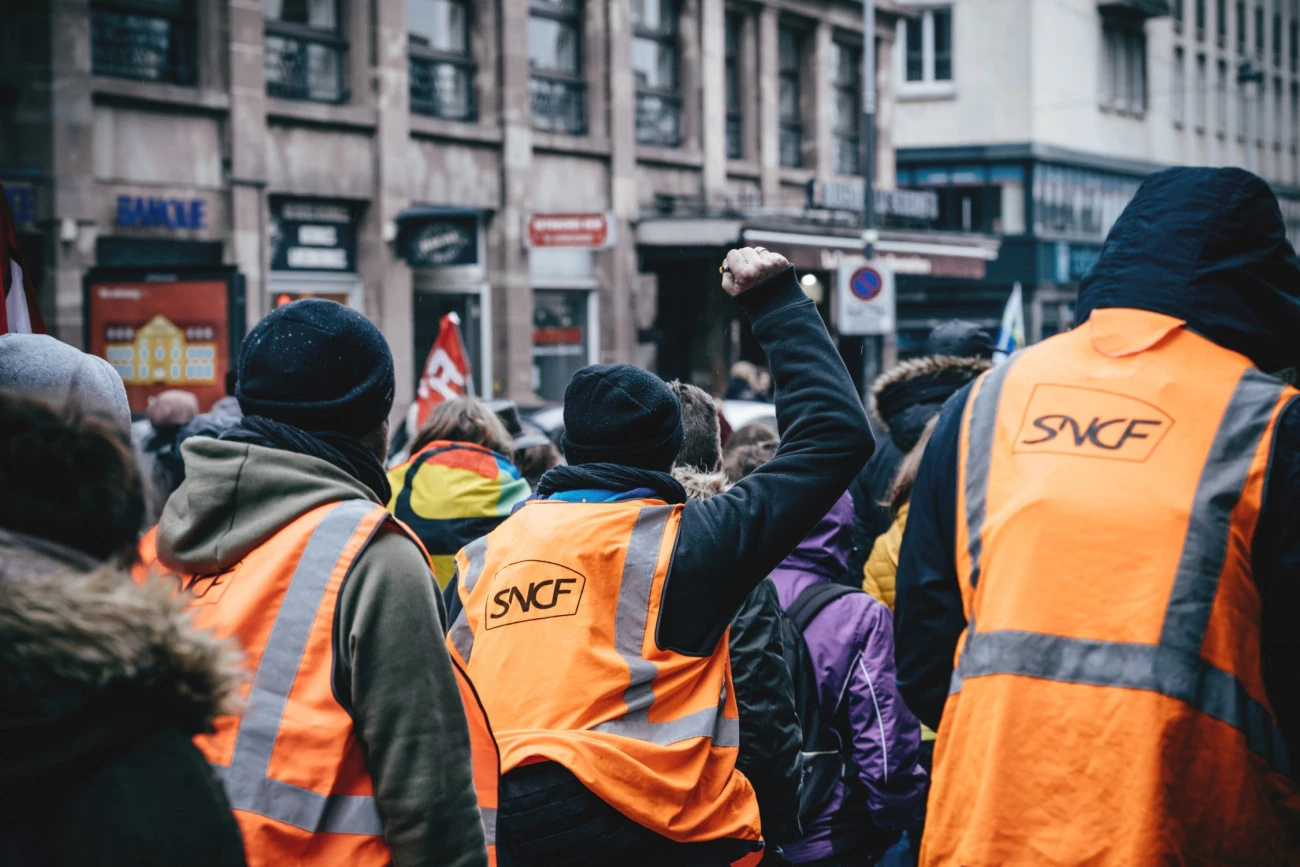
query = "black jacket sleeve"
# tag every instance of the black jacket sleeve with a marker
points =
(928, 613)
(771, 741)
(871, 519)
(729, 543)
(1276, 565)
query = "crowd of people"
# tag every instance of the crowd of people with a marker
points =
(1026, 610)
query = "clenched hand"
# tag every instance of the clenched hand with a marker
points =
(746, 267)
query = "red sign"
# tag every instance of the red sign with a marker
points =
(570, 230)
(446, 372)
(159, 336)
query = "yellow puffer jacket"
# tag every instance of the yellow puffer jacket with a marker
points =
(881, 568)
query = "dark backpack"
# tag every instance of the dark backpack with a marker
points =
(823, 751)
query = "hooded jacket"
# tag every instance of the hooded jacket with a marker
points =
(1207, 246)
(851, 643)
(902, 401)
(391, 670)
(104, 684)
(770, 737)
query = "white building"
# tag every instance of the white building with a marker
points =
(1038, 119)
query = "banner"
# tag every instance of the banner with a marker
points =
(1011, 335)
(446, 372)
(163, 335)
(19, 313)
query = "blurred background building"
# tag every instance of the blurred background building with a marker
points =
(566, 174)
(1036, 120)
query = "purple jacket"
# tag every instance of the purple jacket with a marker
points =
(851, 643)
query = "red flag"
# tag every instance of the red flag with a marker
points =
(446, 372)
(20, 312)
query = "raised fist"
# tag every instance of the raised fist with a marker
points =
(746, 267)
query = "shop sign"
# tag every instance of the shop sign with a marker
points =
(848, 196)
(864, 298)
(312, 236)
(22, 202)
(161, 335)
(146, 212)
(1073, 261)
(439, 242)
(589, 231)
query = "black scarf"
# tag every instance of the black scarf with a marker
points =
(345, 452)
(613, 477)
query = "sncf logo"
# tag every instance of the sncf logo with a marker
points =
(1085, 422)
(533, 590)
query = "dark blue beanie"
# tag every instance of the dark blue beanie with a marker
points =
(621, 414)
(319, 366)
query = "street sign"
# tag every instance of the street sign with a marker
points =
(591, 231)
(864, 298)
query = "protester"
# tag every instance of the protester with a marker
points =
(901, 401)
(280, 534)
(103, 682)
(157, 443)
(535, 454)
(748, 449)
(37, 364)
(851, 644)
(770, 738)
(748, 382)
(1106, 525)
(459, 482)
(612, 696)
(224, 415)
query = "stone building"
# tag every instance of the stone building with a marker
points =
(562, 174)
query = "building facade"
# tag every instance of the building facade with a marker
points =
(539, 167)
(1036, 120)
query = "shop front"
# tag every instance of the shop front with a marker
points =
(160, 304)
(446, 250)
(313, 247)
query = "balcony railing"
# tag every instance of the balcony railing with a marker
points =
(658, 120)
(442, 88)
(145, 47)
(559, 105)
(305, 67)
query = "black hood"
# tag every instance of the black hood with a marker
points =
(1207, 246)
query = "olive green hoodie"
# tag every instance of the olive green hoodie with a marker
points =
(391, 670)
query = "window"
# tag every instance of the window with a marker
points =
(1259, 29)
(654, 62)
(735, 114)
(1295, 117)
(561, 339)
(1277, 112)
(789, 71)
(1200, 20)
(927, 46)
(1243, 109)
(1293, 44)
(1221, 22)
(1241, 26)
(1177, 12)
(846, 118)
(1178, 109)
(1124, 84)
(1202, 93)
(147, 41)
(305, 53)
(1221, 100)
(441, 62)
(555, 58)
(1277, 34)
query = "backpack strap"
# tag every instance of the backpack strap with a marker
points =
(809, 603)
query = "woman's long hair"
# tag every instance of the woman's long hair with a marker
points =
(465, 420)
(904, 480)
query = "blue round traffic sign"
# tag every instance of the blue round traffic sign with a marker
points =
(866, 283)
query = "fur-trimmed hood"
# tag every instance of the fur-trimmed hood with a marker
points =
(905, 397)
(700, 485)
(88, 659)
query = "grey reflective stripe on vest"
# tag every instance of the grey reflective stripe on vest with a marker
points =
(1173, 667)
(983, 424)
(489, 816)
(462, 636)
(1217, 493)
(631, 626)
(246, 778)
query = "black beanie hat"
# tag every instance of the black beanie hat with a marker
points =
(319, 366)
(621, 414)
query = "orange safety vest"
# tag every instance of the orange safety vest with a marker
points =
(557, 631)
(1107, 706)
(292, 768)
